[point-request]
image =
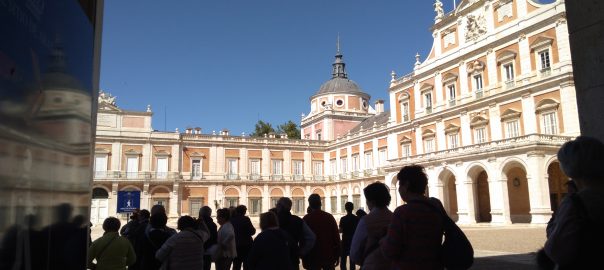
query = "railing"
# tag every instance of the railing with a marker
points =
(428, 110)
(255, 176)
(276, 177)
(343, 176)
(479, 93)
(153, 176)
(510, 84)
(356, 174)
(232, 176)
(452, 102)
(368, 172)
(163, 175)
(405, 118)
(318, 178)
(333, 178)
(545, 72)
(298, 177)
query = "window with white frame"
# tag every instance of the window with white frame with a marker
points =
(355, 163)
(132, 167)
(452, 94)
(255, 168)
(317, 168)
(343, 165)
(194, 205)
(100, 166)
(549, 123)
(428, 101)
(406, 149)
(405, 111)
(382, 156)
(544, 59)
(298, 167)
(277, 167)
(508, 72)
(255, 205)
(478, 82)
(512, 128)
(232, 168)
(368, 160)
(333, 167)
(162, 167)
(429, 144)
(453, 140)
(480, 134)
(196, 169)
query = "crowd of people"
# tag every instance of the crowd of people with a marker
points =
(411, 237)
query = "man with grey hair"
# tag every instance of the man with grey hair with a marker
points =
(297, 229)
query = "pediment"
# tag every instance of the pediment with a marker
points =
(506, 55)
(510, 114)
(547, 105)
(451, 128)
(405, 140)
(479, 121)
(541, 42)
(427, 133)
(449, 77)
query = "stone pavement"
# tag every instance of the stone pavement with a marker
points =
(495, 247)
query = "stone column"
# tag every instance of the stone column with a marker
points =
(144, 204)
(287, 164)
(243, 197)
(175, 162)
(174, 204)
(147, 158)
(525, 56)
(243, 163)
(464, 92)
(438, 88)
(308, 173)
(112, 211)
(495, 122)
(538, 187)
(220, 161)
(116, 156)
(528, 115)
(498, 192)
(266, 199)
(491, 69)
(441, 137)
(392, 142)
(570, 114)
(266, 164)
(465, 132)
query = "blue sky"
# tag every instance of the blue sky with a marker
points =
(220, 64)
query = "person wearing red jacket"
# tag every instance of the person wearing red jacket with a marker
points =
(326, 252)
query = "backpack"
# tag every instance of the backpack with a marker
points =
(457, 250)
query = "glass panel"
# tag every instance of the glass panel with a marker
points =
(100, 166)
(196, 170)
(196, 204)
(162, 168)
(132, 167)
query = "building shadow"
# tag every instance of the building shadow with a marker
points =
(523, 261)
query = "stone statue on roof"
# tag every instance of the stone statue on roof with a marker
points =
(438, 8)
(106, 98)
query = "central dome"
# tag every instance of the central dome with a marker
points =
(339, 85)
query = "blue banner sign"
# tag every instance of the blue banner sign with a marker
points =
(128, 201)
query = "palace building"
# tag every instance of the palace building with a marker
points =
(485, 113)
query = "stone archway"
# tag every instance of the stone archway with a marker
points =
(518, 192)
(480, 179)
(395, 200)
(99, 208)
(557, 184)
(449, 193)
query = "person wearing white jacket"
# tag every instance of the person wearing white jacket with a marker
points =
(226, 249)
(184, 250)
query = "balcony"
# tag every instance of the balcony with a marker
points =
(277, 177)
(406, 118)
(232, 176)
(356, 174)
(452, 102)
(255, 176)
(368, 172)
(136, 176)
(318, 178)
(479, 93)
(298, 177)
(160, 176)
(333, 178)
(545, 72)
(343, 176)
(428, 110)
(510, 84)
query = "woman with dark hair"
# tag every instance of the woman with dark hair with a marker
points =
(371, 228)
(272, 248)
(574, 236)
(184, 250)
(226, 248)
(415, 235)
(111, 251)
(205, 216)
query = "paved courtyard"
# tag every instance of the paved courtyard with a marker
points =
(495, 247)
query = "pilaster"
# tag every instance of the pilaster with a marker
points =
(528, 114)
(538, 187)
(174, 204)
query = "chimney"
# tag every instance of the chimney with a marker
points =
(224, 132)
(197, 130)
(188, 130)
(379, 106)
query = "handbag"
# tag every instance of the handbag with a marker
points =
(93, 267)
(457, 251)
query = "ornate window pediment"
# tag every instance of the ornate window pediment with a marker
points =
(510, 114)
(102, 151)
(404, 96)
(405, 140)
(426, 87)
(547, 105)
(449, 77)
(428, 133)
(541, 42)
(475, 66)
(162, 153)
(132, 152)
(505, 56)
(479, 121)
(451, 128)
(198, 155)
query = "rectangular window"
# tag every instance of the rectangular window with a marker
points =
(451, 91)
(343, 165)
(356, 200)
(334, 204)
(274, 202)
(333, 167)
(512, 129)
(298, 167)
(195, 205)
(429, 145)
(196, 169)
(544, 59)
(405, 111)
(368, 160)
(453, 140)
(355, 163)
(406, 150)
(317, 168)
(162, 168)
(100, 166)
(508, 70)
(132, 167)
(550, 123)
(428, 102)
(255, 169)
(277, 167)
(478, 82)
(480, 135)
(299, 208)
(232, 169)
(319, 136)
(255, 205)
(231, 202)
(343, 201)
(382, 157)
